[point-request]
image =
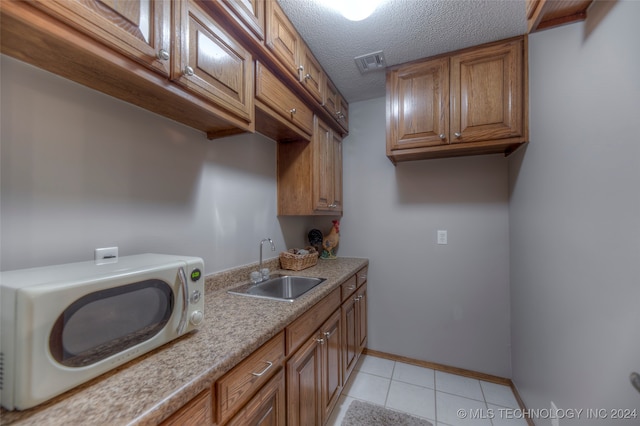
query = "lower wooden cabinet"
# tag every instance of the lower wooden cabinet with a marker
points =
(195, 413)
(267, 407)
(237, 387)
(354, 329)
(314, 379)
(295, 378)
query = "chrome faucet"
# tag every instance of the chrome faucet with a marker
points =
(273, 248)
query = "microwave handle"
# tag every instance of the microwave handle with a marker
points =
(185, 300)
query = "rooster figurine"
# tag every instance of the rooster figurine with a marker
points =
(330, 242)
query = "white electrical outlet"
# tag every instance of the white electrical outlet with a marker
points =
(555, 421)
(442, 236)
(106, 255)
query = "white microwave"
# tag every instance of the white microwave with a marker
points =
(64, 325)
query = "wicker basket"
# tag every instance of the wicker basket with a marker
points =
(297, 262)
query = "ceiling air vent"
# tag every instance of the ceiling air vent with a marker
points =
(370, 62)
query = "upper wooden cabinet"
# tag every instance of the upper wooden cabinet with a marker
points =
(310, 174)
(138, 29)
(251, 14)
(290, 50)
(335, 104)
(466, 103)
(127, 49)
(542, 14)
(282, 38)
(281, 114)
(311, 74)
(419, 102)
(327, 182)
(487, 93)
(210, 62)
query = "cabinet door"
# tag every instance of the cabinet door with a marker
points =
(311, 74)
(418, 105)
(304, 385)
(271, 91)
(487, 93)
(331, 367)
(266, 408)
(211, 63)
(327, 179)
(361, 317)
(194, 413)
(251, 13)
(282, 38)
(330, 98)
(349, 337)
(138, 29)
(336, 143)
(343, 112)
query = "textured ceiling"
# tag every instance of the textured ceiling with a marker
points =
(404, 29)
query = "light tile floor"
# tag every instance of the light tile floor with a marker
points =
(442, 398)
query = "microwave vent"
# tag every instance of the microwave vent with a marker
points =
(370, 62)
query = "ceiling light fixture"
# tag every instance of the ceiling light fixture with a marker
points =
(353, 10)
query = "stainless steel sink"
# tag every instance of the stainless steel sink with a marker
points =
(281, 287)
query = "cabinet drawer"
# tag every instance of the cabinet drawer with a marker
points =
(349, 287)
(195, 412)
(283, 101)
(238, 386)
(310, 321)
(361, 276)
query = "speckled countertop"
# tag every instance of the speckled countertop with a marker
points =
(148, 389)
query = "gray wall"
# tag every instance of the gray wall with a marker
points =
(82, 170)
(441, 303)
(575, 219)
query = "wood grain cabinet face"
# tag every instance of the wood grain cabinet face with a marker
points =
(354, 329)
(469, 102)
(236, 388)
(138, 29)
(272, 92)
(267, 407)
(211, 63)
(327, 179)
(282, 38)
(418, 97)
(487, 94)
(251, 13)
(196, 412)
(314, 376)
(310, 174)
(311, 74)
(335, 104)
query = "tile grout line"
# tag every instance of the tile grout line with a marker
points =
(386, 398)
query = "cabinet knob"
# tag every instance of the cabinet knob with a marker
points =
(292, 111)
(188, 71)
(163, 55)
(333, 206)
(457, 135)
(442, 136)
(321, 341)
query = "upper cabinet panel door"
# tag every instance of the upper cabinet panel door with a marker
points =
(251, 13)
(418, 105)
(282, 38)
(211, 63)
(139, 29)
(311, 74)
(487, 93)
